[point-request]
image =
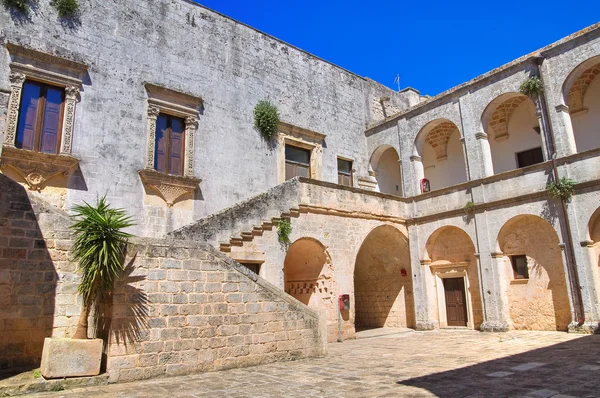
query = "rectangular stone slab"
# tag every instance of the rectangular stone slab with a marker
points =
(71, 357)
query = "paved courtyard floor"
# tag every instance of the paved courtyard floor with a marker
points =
(449, 363)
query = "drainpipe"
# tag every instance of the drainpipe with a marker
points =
(480, 277)
(571, 262)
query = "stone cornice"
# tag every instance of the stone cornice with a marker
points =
(169, 187)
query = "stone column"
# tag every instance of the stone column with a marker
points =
(543, 131)
(12, 117)
(71, 95)
(487, 165)
(495, 293)
(423, 294)
(418, 172)
(564, 135)
(191, 126)
(152, 117)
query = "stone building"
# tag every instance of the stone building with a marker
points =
(151, 104)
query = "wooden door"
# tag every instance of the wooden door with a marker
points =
(456, 308)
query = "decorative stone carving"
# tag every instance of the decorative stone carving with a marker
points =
(71, 96)
(16, 84)
(152, 116)
(36, 168)
(191, 126)
(169, 187)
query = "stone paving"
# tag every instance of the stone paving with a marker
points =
(448, 363)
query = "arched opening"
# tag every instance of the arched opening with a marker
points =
(533, 267)
(441, 152)
(455, 281)
(308, 273)
(385, 164)
(513, 131)
(383, 281)
(581, 93)
(594, 232)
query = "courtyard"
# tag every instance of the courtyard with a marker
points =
(402, 363)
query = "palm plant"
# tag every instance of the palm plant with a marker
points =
(99, 248)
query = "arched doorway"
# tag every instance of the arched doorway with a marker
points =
(535, 275)
(440, 154)
(594, 237)
(385, 164)
(450, 255)
(383, 281)
(513, 130)
(581, 92)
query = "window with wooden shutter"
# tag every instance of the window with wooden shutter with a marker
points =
(40, 116)
(530, 157)
(344, 172)
(297, 162)
(169, 144)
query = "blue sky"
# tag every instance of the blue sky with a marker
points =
(432, 45)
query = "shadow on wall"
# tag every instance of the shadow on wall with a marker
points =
(567, 368)
(28, 280)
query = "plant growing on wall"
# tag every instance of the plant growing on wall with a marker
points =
(563, 189)
(532, 86)
(19, 5)
(99, 249)
(266, 119)
(284, 229)
(66, 8)
(469, 207)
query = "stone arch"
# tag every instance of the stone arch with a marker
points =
(450, 256)
(383, 280)
(308, 273)
(440, 152)
(385, 167)
(539, 302)
(512, 127)
(594, 227)
(581, 94)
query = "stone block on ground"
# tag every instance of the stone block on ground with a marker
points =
(71, 357)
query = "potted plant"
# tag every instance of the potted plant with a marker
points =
(99, 249)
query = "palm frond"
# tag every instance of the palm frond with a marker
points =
(100, 245)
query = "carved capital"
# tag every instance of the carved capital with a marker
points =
(481, 136)
(153, 112)
(17, 79)
(562, 108)
(169, 187)
(415, 158)
(191, 122)
(37, 168)
(72, 93)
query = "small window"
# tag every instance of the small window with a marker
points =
(519, 265)
(254, 267)
(168, 153)
(40, 116)
(344, 172)
(529, 157)
(297, 162)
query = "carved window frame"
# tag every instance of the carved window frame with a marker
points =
(188, 107)
(302, 138)
(28, 64)
(36, 168)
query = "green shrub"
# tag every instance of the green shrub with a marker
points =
(469, 207)
(19, 5)
(563, 189)
(66, 8)
(532, 86)
(284, 229)
(99, 248)
(266, 119)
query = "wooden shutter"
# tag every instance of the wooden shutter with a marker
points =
(160, 145)
(176, 153)
(51, 123)
(28, 116)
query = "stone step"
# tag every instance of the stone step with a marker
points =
(267, 226)
(225, 247)
(257, 231)
(247, 236)
(295, 212)
(236, 242)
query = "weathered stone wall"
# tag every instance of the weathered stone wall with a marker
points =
(184, 307)
(183, 46)
(37, 282)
